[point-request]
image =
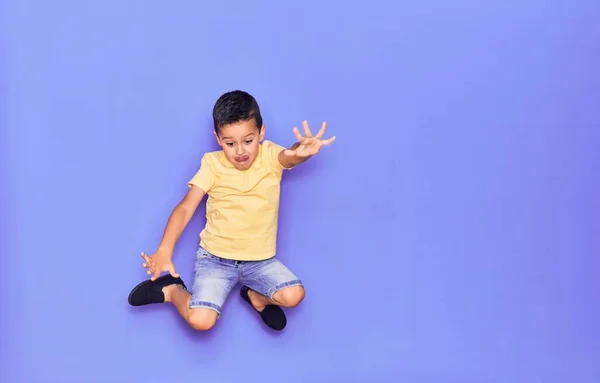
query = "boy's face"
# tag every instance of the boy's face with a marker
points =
(240, 142)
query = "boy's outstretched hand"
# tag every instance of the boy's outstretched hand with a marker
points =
(308, 145)
(157, 263)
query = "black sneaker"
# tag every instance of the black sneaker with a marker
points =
(149, 292)
(272, 315)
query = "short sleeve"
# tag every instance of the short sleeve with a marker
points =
(272, 151)
(205, 177)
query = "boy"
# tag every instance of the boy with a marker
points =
(238, 242)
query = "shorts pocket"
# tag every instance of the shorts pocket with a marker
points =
(202, 253)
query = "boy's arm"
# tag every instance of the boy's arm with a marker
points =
(181, 215)
(306, 146)
(199, 185)
(289, 160)
(179, 218)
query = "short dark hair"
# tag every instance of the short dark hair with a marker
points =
(236, 106)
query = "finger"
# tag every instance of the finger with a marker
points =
(155, 276)
(322, 130)
(307, 131)
(145, 257)
(297, 134)
(328, 141)
(147, 261)
(173, 272)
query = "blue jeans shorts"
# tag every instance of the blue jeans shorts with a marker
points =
(215, 277)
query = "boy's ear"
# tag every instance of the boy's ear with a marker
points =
(217, 137)
(261, 136)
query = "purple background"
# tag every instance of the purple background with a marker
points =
(449, 235)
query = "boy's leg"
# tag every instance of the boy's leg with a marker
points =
(200, 318)
(269, 285)
(288, 297)
(201, 308)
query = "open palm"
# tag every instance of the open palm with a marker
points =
(307, 144)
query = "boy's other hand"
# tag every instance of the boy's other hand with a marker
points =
(157, 263)
(308, 145)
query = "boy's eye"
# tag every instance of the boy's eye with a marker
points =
(229, 143)
(248, 141)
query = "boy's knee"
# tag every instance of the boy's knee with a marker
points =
(202, 319)
(290, 296)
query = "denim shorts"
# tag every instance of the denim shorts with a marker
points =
(215, 277)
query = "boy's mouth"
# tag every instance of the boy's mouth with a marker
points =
(242, 159)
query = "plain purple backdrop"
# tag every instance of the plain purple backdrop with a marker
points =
(449, 235)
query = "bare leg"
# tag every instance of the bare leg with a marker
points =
(201, 319)
(287, 297)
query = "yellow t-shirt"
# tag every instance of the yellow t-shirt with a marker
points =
(243, 206)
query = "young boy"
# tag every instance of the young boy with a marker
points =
(238, 243)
